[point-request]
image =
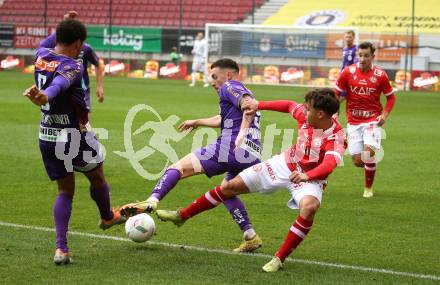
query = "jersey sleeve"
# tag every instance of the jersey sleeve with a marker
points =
(90, 55)
(341, 84)
(387, 89)
(49, 42)
(284, 106)
(233, 94)
(336, 145)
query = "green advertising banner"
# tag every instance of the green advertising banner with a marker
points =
(126, 39)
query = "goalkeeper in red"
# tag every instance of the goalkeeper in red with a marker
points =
(302, 169)
(363, 84)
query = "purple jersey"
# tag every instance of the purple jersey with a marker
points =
(349, 56)
(231, 116)
(87, 55)
(222, 156)
(66, 109)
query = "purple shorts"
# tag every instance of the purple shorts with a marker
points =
(56, 168)
(217, 159)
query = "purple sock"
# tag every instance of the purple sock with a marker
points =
(61, 214)
(238, 212)
(101, 196)
(167, 182)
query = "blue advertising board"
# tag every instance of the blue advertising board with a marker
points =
(283, 45)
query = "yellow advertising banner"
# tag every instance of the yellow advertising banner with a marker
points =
(391, 16)
(389, 47)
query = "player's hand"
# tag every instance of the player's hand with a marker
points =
(188, 125)
(70, 15)
(100, 94)
(297, 177)
(381, 120)
(249, 106)
(35, 95)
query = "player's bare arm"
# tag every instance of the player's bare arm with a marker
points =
(213, 122)
(100, 80)
(35, 95)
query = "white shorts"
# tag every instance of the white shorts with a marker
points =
(273, 174)
(363, 134)
(199, 64)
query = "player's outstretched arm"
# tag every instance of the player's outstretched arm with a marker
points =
(213, 122)
(35, 96)
(283, 106)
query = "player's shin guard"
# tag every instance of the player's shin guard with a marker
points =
(297, 233)
(370, 171)
(167, 182)
(238, 212)
(62, 210)
(205, 202)
(101, 196)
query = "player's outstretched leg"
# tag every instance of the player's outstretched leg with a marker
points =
(205, 202)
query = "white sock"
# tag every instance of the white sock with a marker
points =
(249, 234)
(193, 77)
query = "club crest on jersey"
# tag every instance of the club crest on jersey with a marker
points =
(352, 69)
(373, 79)
(378, 72)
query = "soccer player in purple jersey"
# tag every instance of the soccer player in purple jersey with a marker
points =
(87, 55)
(65, 130)
(237, 148)
(349, 50)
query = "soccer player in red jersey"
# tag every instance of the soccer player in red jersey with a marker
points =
(364, 83)
(302, 169)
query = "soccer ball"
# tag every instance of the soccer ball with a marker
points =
(140, 228)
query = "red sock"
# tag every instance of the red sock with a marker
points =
(297, 233)
(370, 171)
(205, 202)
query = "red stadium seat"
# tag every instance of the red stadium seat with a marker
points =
(129, 12)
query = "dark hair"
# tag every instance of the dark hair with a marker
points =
(323, 99)
(226, 63)
(69, 31)
(350, 32)
(367, 45)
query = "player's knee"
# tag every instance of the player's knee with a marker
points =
(228, 189)
(311, 207)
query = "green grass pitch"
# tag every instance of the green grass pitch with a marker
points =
(395, 234)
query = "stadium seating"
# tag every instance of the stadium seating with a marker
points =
(195, 13)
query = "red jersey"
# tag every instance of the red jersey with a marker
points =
(363, 90)
(313, 144)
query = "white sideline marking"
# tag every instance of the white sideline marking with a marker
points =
(223, 251)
